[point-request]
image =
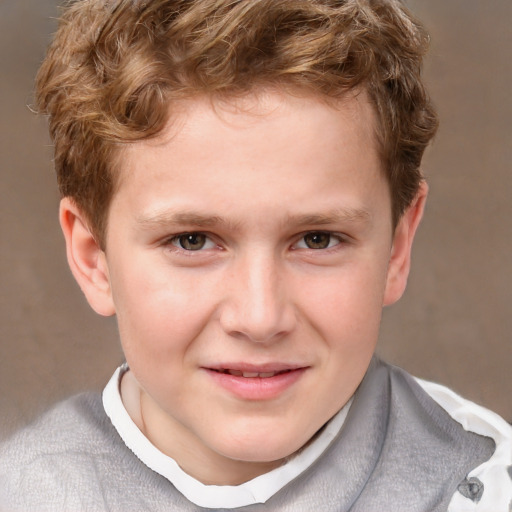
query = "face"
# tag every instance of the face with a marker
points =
(247, 255)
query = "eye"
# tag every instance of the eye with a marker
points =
(192, 241)
(318, 240)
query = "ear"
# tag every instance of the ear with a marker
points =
(86, 259)
(400, 260)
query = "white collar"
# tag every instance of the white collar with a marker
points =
(257, 490)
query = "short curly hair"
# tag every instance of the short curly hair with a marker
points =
(115, 67)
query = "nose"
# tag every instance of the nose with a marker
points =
(257, 306)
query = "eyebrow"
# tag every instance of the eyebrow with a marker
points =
(189, 218)
(200, 220)
(336, 216)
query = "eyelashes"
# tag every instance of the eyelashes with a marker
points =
(318, 240)
(193, 241)
(197, 241)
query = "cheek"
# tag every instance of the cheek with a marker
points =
(348, 301)
(156, 310)
(161, 313)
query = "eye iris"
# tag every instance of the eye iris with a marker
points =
(192, 241)
(317, 240)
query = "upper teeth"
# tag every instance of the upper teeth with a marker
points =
(238, 373)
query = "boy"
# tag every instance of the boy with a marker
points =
(241, 187)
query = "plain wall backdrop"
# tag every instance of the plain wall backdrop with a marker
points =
(454, 323)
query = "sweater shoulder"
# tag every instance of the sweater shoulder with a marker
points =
(55, 456)
(77, 424)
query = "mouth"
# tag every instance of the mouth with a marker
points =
(252, 374)
(256, 382)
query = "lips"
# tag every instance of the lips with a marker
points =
(252, 375)
(256, 382)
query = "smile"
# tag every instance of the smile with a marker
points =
(254, 383)
(252, 375)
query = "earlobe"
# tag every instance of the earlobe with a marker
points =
(86, 259)
(400, 260)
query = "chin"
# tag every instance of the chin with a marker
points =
(266, 448)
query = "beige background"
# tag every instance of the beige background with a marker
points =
(453, 325)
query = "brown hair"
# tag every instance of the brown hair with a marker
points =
(116, 65)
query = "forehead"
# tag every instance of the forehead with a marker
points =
(263, 145)
(189, 120)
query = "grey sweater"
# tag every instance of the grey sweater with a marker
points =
(397, 451)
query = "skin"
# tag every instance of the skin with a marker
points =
(251, 235)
